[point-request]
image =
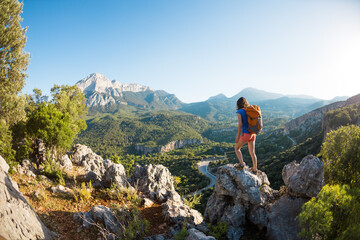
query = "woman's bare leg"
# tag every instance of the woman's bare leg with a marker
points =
(251, 146)
(238, 153)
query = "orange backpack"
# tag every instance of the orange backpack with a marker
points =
(253, 113)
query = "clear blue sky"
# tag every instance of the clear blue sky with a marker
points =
(197, 48)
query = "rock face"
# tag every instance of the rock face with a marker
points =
(101, 173)
(26, 168)
(241, 197)
(168, 147)
(156, 182)
(17, 218)
(305, 179)
(99, 215)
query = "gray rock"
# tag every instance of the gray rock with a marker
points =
(195, 234)
(115, 174)
(241, 196)
(100, 215)
(155, 181)
(65, 163)
(283, 218)
(26, 168)
(3, 165)
(305, 179)
(61, 189)
(178, 212)
(17, 218)
(79, 153)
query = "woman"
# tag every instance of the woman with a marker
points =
(244, 136)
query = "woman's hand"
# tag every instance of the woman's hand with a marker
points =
(237, 139)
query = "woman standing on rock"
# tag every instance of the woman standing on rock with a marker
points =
(244, 136)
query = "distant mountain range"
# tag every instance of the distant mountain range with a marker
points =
(104, 95)
(108, 96)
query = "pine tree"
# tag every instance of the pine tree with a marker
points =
(13, 64)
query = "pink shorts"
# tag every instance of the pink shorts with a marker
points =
(247, 137)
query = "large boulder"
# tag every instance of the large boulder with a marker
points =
(79, 151)
(155, 181)
(65, 163)
(115, 174)
(282, 218)
(100, 216)
(305, 179)
(178, 212)
(102, 173)
(17, 218)
(241, 197)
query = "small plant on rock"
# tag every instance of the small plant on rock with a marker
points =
(182, 234)
(219, 230)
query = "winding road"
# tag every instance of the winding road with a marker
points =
(203, 168)
(294, 143)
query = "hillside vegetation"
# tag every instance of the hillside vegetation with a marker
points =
(113, 134)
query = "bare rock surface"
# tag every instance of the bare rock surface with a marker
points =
(101, 215)
(3, 165)
(195, 234)
(240, 196)
(155, 181)
(61, 189)
(178, 212)
(17, 218)
(102, 173)
(305, 179)
(79, 152)
(65, 163)
(26, 168)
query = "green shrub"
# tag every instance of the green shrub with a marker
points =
(83, 193)
(193, 201)
(182, 234)
(341, 156)
(124, 194)
(133, 226)
(334, 214)
(52, 171)
(219, 230)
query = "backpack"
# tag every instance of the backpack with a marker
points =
(253, 113)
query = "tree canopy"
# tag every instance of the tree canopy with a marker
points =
(13, 64)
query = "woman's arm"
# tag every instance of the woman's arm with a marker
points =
(239, 127)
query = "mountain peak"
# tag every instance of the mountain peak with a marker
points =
(97, 82)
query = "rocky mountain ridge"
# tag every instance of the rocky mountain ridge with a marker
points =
(108, 96)
(314, 118)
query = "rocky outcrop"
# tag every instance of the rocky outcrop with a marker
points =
(242, 198)
(26, 168)
(305, 179)
(168, 147)
(65, 163)
(100, 216)
(102, 173)
(79, 152)
(156, 182)
(17, 218)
